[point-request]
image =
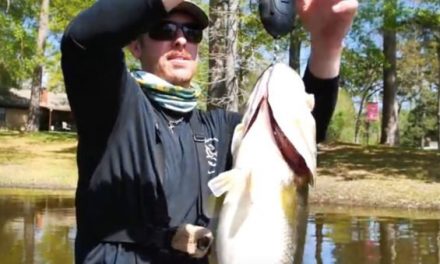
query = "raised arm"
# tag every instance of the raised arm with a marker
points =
(93, 61)
(328, 22)
(113, 23)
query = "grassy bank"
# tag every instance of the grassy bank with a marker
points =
(377, 176)
(40, 160)
(349, 175)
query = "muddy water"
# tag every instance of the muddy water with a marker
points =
(40, 228)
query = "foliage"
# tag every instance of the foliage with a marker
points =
(60, 16)
(419, 73)
(361, 72)
(421, 120)
(18, 42)
(18, 33)
(417, 25)
(342, 123)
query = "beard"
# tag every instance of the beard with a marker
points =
(177, 71)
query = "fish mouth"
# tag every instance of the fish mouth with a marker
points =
(296, 162)
(293, 158)
(302, 174)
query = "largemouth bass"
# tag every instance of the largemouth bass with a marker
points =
(264, 211)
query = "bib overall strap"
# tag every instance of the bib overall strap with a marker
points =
(199, 137)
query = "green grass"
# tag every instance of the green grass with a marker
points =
(52, 137)
(38, 160)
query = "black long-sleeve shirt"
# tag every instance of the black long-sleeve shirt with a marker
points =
(121, 186)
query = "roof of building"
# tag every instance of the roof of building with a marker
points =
(21, 98)
(11, 100)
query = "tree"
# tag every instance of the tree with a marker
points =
(217, 50)
(428, 19)
(297, 36)
(231, 55)
(255, 50)
(236, 43)
(34, 106)
(17, 39)
(363, 59)
(60, 15)
(390, 128)
(342, 123)
(26, 26)
(360, 73)
(421, 120)
(419, 73)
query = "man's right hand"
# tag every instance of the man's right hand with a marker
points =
(193, 240)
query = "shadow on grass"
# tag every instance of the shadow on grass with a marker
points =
(379, 161)
(69, 150)
(12, 154)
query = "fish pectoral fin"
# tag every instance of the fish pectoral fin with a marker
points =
(223, 182)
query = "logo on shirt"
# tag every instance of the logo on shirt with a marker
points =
(211, 154)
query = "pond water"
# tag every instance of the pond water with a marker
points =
(41, 229)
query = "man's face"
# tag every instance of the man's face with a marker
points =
(173, 60)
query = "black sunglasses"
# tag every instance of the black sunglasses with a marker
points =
(167, 30)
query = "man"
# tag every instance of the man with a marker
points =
(144, 152)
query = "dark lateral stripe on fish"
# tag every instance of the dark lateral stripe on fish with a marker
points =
(296, 162)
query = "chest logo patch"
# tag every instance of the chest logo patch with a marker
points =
(211, 154)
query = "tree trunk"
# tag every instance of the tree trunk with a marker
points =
(438, 95)
(217, 84)
(295, 49)
(231, 79)
(390, 126)
(319, 239)
(358, 119)
(34, 106)
(387, 242)
(29, 234)
(438, 241)
(223, 32)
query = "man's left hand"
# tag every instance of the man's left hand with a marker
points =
(328, 22)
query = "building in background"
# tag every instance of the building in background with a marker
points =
(55, 113)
